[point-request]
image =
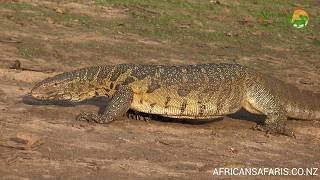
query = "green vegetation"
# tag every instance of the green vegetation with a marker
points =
(189, 24)
(172, 19)
(25, 11)
(184, 21)
(316, 42)
(208, 21)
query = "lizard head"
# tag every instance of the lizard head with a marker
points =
(60, 87)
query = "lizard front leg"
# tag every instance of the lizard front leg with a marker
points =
(117, 107)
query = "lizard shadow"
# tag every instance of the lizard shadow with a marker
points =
(101, 103)
(144, 116)
(242, 114)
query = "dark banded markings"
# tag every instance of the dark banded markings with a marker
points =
(183, 91)
(151, 107)
(183, 106)
(153, 86)
(118, 71)
(166, 103)
(128, 80)
(202, 108)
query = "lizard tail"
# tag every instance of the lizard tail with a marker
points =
(301, 104)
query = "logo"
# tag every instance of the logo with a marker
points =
(299, 18)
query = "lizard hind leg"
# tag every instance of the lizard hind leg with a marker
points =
(276, 123)
(117, 107)
(265, 103)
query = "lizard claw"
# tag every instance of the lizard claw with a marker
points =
(91, 117)
(272, 129)
(84, 116)
(136, 116)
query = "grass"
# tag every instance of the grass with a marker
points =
(204, 21)
(316, 42)
(28, 12)
(187, 23)
(174, 20)
(198, 21)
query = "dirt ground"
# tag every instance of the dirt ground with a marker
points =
(39, 141)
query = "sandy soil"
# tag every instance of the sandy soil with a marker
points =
(40, 141)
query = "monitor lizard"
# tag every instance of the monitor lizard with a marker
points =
(199, 91)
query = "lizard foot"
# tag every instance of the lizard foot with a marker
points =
(275, 129)
(136, 116)
(91, 117)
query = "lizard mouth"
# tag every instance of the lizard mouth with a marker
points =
(37, 95)
(50, 96)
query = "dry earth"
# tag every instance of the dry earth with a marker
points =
(45, 142)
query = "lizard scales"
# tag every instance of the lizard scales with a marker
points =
(198, 91)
